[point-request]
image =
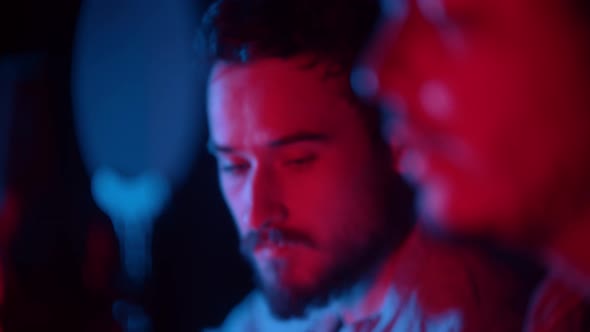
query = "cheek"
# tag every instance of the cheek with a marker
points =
(508, 131)
(487, 120)
(508, 117)
(321, 201)
(309, 199)
(234, 198)
(491, 105)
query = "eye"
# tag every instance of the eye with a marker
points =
(233, 168)
(301, 162)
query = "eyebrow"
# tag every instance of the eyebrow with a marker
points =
(299, 137)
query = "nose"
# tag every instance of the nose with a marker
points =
(265, 207)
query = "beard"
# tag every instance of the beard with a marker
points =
(349, 265)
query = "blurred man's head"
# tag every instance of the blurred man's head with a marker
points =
(491, 105)
(301, 163)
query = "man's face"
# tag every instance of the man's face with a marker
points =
(300, 174)
(490, 105)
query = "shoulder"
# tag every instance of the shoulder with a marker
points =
(445, 283)
(254, 315)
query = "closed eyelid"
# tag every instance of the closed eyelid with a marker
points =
(224, 158)
(302, 157)
(302, 162)
(234, 168)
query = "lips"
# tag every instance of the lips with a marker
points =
(274, 245)
(272, 251)
(274, 241)
(277, 247)
(282, 252)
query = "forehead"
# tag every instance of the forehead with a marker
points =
(264, 100)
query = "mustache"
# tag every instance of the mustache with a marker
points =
(273, 236)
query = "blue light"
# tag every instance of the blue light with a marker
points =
(136, 95)
(136, 89)
(133, 204)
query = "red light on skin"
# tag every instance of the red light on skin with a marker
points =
(298, 167)
(510, 95)
(494, 97)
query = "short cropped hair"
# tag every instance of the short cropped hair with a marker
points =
(241, 31)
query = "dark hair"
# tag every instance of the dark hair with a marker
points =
(245, 30)
(331, 31)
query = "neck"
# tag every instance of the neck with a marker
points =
(568, 254)
(367, 296)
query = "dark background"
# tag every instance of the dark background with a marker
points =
(198, 275)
